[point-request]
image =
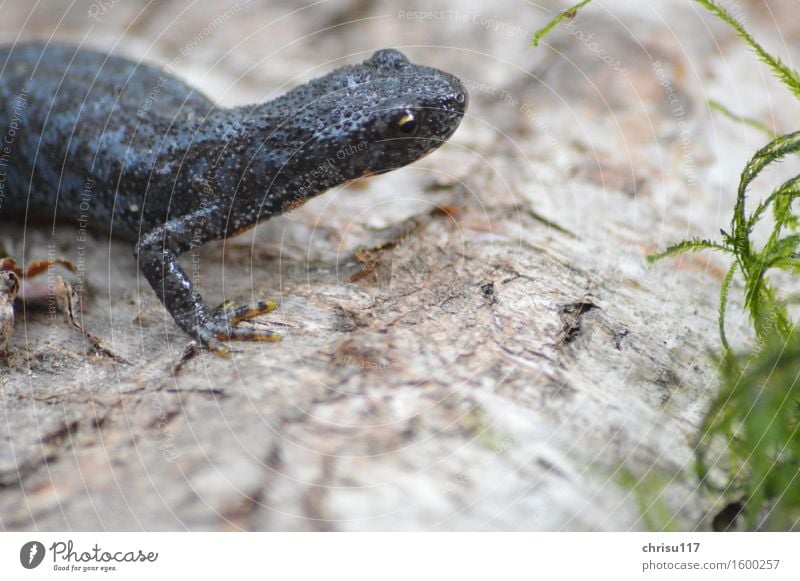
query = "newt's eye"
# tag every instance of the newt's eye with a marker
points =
(405, 123)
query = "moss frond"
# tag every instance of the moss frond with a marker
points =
(693, 245)
(787, 76)
(754, 123)
(567, 14)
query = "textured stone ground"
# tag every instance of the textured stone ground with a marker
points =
(510, 363)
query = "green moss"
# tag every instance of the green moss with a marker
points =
(648, 492)
(754, 427)
(755, 416)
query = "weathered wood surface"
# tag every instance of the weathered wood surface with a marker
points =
(509, 363)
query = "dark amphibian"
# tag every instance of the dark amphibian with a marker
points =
(111, 144)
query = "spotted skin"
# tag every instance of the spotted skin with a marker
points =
(125, 147)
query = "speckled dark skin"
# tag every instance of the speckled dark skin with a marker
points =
(115, 145)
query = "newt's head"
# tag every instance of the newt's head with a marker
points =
(371, 118)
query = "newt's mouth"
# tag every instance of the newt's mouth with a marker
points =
(376, 172)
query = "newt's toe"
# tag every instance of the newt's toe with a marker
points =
(209, 338)
(247, 312)
(250, 334)
(222, 326)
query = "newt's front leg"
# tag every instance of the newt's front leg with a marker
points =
(157, 254)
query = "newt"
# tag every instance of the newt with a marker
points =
(110, 144)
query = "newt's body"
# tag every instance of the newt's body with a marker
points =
(121, 146)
